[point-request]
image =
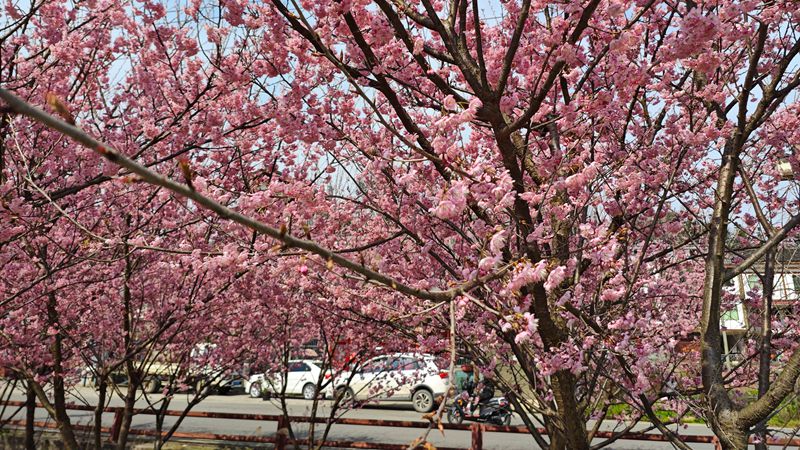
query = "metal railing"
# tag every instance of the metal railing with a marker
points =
(281, 439)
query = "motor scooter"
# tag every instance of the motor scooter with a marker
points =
(496, 411)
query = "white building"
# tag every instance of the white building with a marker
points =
(786, 293)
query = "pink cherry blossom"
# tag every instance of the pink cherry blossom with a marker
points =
(568, 176)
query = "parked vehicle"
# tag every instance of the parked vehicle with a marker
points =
(402, 376)
(210, 376)
(223, 383)
(496, 411)
(199, 372)
(301, 379)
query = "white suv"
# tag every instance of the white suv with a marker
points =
(401, 376)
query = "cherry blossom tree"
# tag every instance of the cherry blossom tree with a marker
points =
(563, 177)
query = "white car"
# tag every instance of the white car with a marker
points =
(402, 376)
(301, 379)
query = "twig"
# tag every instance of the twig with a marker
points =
(437, 418)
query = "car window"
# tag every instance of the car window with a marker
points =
(299, 367)
(395, 364)
(410, 364)
(376, 365)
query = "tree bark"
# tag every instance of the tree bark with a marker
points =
(130, 369)
(30, 416)
(765, 349)
(98, 411)
(572, 430)
(730, 424)
(721, 412)
(4, 121)
(59, 393)
(159, 443)
(731, 436)
(130, 403)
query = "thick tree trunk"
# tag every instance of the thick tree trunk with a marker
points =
(573, 434)
(98, 411)
(30, 416)
(59, 393)
(568, 428)
(159, 441)
(130, 403)
(133, 374)
(730, 424)
(765, 349)
(734, 439)
(730, 432)
(721, 411)
(60, 404)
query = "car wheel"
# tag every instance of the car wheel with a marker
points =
(151, 385)
(422, 401)
(309, 391)
(506, 419)
(454, 415)
(347, 397)
(255, 390)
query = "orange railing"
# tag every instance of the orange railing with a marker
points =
(280, 439)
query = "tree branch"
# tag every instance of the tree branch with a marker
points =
(776, 239)
(22, 107)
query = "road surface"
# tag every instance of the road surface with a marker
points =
(388, 411)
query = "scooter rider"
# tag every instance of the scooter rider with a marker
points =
(483, 392)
